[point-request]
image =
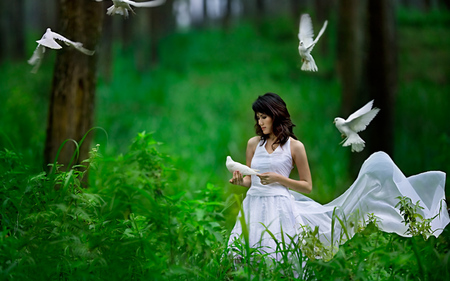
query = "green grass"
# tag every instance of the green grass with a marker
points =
(125, 226)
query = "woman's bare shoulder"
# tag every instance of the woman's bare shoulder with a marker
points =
(253, 142)
(297, 145)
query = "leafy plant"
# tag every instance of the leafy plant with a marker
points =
(417, 224)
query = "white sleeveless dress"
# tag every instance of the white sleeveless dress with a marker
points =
(275, 208)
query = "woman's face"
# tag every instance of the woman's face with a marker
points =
(265, 122)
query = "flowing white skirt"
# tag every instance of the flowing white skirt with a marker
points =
(374, 192)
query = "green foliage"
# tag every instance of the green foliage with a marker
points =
(125, 225)
(417, 225)
(54, 228)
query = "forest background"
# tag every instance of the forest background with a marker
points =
(188, 72)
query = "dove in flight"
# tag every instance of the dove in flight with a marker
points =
(235, 166)
(355, 123)
(121, 7)
(307, 43)
(49, 40)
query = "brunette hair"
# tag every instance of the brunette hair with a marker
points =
(273, 105)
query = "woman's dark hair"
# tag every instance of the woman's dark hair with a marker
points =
(272, 105)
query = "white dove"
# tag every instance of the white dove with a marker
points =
(355, 123)
(121, 7)
(307, 43)
(235, 166)
(49, 40)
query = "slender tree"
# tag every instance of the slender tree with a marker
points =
(205, 12)
(260, 12)
(3, 33)
(162, 22)
(350, 64)
(106, 55)
(17, 27)
(226, 22)
(72, 98)
(381, 70)
(367, 67)
(350, 49)
(322, 9)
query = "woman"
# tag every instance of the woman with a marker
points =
(268, 205)
(270, 208)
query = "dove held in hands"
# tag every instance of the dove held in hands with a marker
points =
(306, 44)
(355, 123)
(235, 166)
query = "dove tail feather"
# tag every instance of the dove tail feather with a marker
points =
(356, 142)
(357, 147)
(117, 10)
(309, 65)
(353, 139)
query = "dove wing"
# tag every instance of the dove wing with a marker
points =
(62, 38)
(36, 58)
(76, 45)
(321, 31)
(49, 43)
(360, 123)
(145, 4)
(306, 31)
(360, 111)
(48, 40)
(79, 47)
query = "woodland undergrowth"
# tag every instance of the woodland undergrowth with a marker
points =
(122, 225)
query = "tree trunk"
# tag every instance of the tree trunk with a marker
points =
(350, 47)
(350, 64)
(382, 73)
(299, 7)
(72, 99)
(260, 12)
(3, 32)
(248, 8)
(17, 26)
(227, 15)
(127, 31)
(106, 56)
(162, 22)
(205, 13)
(322, 9)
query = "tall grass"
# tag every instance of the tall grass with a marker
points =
(125, 226)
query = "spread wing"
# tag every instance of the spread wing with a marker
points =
(57, 36)
(360, 123)
(321, 31)
(79, 47)
(36, 58)
(306, 31)
(145, 4)
(48, 40)
(76, 45)
(360, 111)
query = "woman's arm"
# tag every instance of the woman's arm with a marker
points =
(238, 179)
(304, 184)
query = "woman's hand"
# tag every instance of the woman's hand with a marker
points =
(268, 178)
(237, 179)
